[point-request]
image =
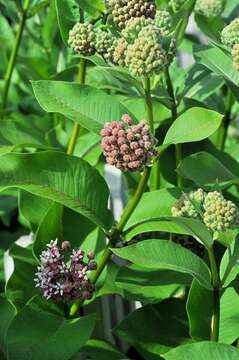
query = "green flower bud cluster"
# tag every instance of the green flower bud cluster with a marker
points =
(230, 34)
(124, 10)
(146, 55)
(219, 214)
(134, 26)
(105, 44)
(235, 56)
(163, 20)
(82, 39)
(120, 52)
(209, 8)
(189, 204)
(176, 5)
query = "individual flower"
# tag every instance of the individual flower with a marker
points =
(124, 10)
(128, 147)
(82, 39)
(163, 20)
(105, 44)
(209, 8)
(65, 278)
(235, 56)
(146, 55)
(230, 34)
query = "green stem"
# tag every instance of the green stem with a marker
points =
(116, 234)
(76, 128)
(13, 56)
(174, 111)
(216, 295)
(223, 130)
(149, 104)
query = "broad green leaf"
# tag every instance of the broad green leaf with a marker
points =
(92, 109)
(102, 350)
(164, 254)
(195, 228)
(36, 333)
(229, 317)
(153, 205)
(49, 229)
(92, 7)
(202, 351)
(154, 329)
(217, 61)
(211, 27)
(67, 14)
(229, 267)
(7, 313)
(150, 286)
(67, 180)
(193, 168)
(194, 124)
(199, 321)
(21, 286)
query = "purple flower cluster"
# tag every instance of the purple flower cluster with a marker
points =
(128, 147)
(62, 277)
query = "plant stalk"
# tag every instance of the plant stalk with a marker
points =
(223, 130)
(216, 295)
(76, 128)
(174, 112)
(13, 56)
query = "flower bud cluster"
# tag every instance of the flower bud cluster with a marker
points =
(146, 54)
(217, 213)
(134, 26)
(105, 44)
(124, 10)
(230, 34)
(120, 52)
(189, 204)
(82, 39)
(126, 146)
(64, 278)
(235, 56)
(209, 8)
(163, 20)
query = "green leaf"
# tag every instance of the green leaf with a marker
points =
(217, 61)
(194, 228)
(21, 286)
(229, 267)
(193, 168)
(92, 7)
(67, 14)
(229, 317)
(164, 254)
(154, 329)
(153, 205)
(7, 313)
(101, 350)
(92, 109)
(199, 321)
(150, 286)
(35, 334)
(67, 180)
(202, 351)
(49, 229)
(194, 124)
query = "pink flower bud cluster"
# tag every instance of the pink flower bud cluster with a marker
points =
(63, 277)
(128, 147)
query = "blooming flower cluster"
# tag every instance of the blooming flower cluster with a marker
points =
(62, 277)
(217, 213)
(128, 147)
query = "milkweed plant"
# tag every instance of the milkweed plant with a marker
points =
(89, 86)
